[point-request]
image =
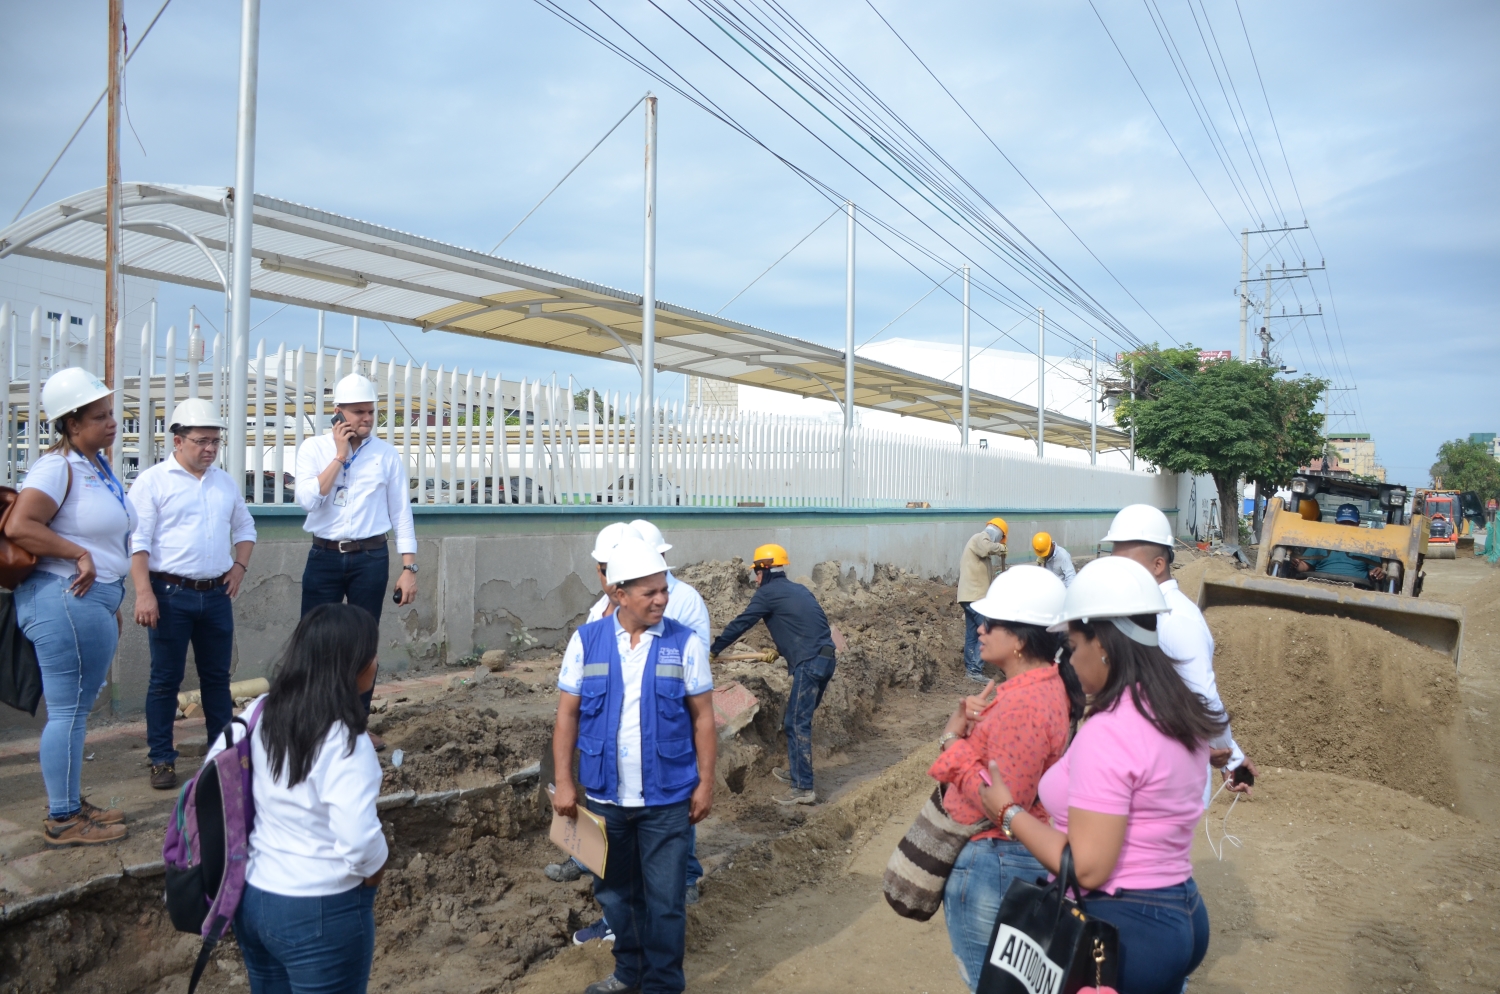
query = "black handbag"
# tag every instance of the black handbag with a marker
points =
(1043, 943)
(20, 675)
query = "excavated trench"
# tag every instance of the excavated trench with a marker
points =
(464, 904)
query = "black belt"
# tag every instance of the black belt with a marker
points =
(350, 544)
(182, 581)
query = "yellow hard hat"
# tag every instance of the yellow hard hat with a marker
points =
(769, 555)
(1041, 544)
(1000, 524)
(1310, 510)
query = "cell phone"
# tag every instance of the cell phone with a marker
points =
(396, 596)
(338, 417)
(1243, 775)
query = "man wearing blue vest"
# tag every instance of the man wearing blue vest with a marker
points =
(648, 771)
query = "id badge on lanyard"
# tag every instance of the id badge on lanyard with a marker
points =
(341, 492)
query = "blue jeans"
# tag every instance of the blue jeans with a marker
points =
(809, 680)
(642, 893)
(362, 578)
(307, 945)
(981, 875)
(1163, 935)
(972, 663)
(204, 618)
(75, 639)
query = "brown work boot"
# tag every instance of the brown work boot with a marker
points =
(101, 816)
(163, 776)
(79, 831)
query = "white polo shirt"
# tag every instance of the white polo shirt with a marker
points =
(684, 606)
(695, 674)
(188, 526)
(89, 515)
(376, 500)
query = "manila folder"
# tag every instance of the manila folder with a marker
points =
(583, 838)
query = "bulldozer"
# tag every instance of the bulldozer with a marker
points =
(1388, 533)
(1454, 515)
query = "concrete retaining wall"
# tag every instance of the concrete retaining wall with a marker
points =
(485, 572)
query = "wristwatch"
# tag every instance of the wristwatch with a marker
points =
(410, 566)
(1007, 818)
(948, 737)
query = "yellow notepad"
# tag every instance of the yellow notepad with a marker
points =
(584, 838)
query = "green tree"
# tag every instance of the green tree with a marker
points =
(1465, 465)
(1228, 419)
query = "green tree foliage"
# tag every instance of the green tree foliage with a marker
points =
(1227, 419)
(1465, 465)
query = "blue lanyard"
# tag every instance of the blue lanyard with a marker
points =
(353, 455)
(111, 482)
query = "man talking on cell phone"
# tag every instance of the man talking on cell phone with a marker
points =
(353, 486)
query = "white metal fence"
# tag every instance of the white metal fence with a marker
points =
(474, 438)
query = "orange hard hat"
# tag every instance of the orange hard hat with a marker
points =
(1310, 510)
(769, 555)
(1041, 544)
(1000, 524)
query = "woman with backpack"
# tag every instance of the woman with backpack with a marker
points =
(1128, 793)
(1020, 732)
(73, 514)
(307, 918)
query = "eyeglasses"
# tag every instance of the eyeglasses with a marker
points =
(204, 443)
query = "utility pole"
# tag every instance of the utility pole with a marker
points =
(964, 430)
(1244, 294)
(1094, 402)
(645, 433)
(244, 221)
(849, 356)
(112, 190)
(1132, 420)
(1041, 378)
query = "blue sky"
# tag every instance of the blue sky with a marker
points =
(451, 119)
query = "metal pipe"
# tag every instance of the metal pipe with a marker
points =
(34, 389)
(356, 334)
(848, 478)
(117, 406)
(60, 343)
(645, 477)
(1244, 293)
(91, 351)
(195, 351)
(964, 428)
(1041, 379)
(320, 381)
(244, 221)
(169, 382)
(145, 445)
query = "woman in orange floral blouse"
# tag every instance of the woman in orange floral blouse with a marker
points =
(1023, 729)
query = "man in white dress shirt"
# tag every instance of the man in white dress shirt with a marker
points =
(189, 516)
(1142, 532)
(354, 488)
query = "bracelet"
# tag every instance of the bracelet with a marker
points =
(240, 565)
(948, 737)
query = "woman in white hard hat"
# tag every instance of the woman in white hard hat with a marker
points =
(74, 516)
(1127, 794)
(1016, 736)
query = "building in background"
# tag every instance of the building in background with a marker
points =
(714, 396)
(27, 284)
(1487, 439)
(1356, 453)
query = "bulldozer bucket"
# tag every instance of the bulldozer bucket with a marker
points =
(1437, 626)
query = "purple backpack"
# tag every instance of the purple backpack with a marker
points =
(207, 848)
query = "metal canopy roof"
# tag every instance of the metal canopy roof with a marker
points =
(315, 259)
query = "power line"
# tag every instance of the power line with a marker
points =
(100, 99)
(778, 262)
(1163, 123)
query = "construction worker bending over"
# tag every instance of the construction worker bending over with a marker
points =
(1142, 533)
(637, 702)
(1054, 557)
(189, 554)
(800, 630)
(975, 572)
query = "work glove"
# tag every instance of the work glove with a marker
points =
(770, 656)
(713, 657)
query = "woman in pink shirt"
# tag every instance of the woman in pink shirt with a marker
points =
(1012, 738)
(1127, 794)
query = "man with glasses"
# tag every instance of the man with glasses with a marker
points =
(189, 553)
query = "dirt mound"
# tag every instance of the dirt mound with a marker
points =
(469, 738)
(1190, 575)
(1339, 696)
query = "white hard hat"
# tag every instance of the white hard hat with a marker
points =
(650, 534)
(354, 389)
(610, 536)
(633, 559)
(69, 389)
(1140, 523)
(195, 412)
(1028, 595)
(1112, 589)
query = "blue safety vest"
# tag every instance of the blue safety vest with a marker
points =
(669, 761)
